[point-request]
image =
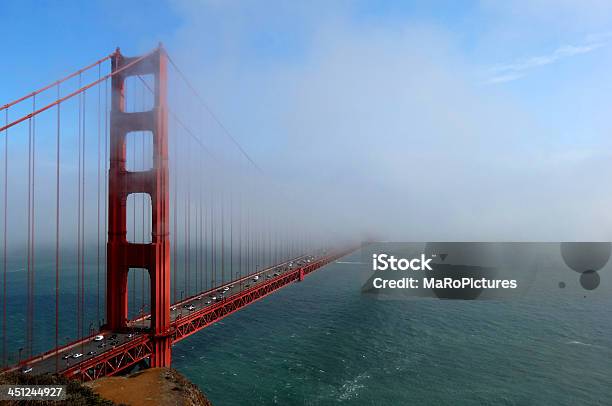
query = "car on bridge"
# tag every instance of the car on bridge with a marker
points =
(99, 337)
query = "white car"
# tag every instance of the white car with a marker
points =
(173, 308)
(208, 302)
(255, 278)
(27, 370)
(99, 337)
(191, 308)
(225, 289)
(77, 355)
(214, 298)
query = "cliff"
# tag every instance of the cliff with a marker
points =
(76, 393)
(154, 386)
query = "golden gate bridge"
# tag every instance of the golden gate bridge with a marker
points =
(135, 220)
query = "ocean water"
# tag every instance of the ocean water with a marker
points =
(323, 342)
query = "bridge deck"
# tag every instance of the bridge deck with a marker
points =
(120, 350)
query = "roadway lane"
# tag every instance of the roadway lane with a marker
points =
(89, 348)
(223, 292)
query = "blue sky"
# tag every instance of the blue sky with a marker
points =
(494, 97)
(65, 34)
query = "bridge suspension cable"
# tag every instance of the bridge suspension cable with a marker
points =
(80, 90)
(56, 83)
(227, 228)
(212, 114)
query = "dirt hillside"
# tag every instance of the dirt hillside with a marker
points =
(154, 386)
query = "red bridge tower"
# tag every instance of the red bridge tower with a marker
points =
(123, 255)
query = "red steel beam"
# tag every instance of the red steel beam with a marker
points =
(142, 346)
(113, 361)
(203, 318)
(233, 282)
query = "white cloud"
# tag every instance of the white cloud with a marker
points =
(387, 129)
(519, 69)
(509, 77)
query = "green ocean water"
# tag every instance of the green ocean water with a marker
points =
(323, 342)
